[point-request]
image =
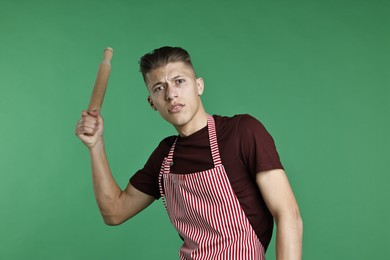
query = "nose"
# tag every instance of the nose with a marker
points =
(170, 93)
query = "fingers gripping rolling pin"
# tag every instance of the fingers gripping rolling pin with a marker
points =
(99, 89)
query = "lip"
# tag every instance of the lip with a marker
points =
(175, 108)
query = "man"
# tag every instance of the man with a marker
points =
(220, 179)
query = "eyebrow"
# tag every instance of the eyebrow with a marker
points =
(178, 76)
(159, 83)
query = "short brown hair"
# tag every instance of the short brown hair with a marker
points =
(161, 57)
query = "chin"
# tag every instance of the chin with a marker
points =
(176, 119)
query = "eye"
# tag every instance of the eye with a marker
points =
(180, 81)
(158, 88)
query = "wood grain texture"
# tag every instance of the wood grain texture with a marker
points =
(99, 90)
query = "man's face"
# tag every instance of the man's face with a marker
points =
(174, 91)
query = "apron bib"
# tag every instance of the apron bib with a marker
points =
(205, 211)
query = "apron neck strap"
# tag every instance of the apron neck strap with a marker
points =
(213, 143)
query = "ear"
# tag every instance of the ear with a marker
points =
(150, 101)
(200, 86)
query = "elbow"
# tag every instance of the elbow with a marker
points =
(110, 214)
(298, 225)
(297, 221)
(111, 220)
(291, 219)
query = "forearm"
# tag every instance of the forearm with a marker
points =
(289, 238)
(107, 191)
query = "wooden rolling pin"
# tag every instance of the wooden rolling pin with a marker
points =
(99, 89)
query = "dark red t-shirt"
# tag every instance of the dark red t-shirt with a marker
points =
(246, 148)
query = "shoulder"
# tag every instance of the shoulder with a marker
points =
(163, 147)
(235, 118)
(168, 141)
(242, 122)
(245, 129)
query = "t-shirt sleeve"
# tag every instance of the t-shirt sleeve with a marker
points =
(257, 147)
(146, 179)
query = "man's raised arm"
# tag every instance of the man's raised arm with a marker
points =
(115, 205)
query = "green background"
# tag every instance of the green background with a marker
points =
(316, 73)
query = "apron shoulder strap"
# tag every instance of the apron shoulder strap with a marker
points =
(213, 141)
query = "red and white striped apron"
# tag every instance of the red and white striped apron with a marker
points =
(206, 212)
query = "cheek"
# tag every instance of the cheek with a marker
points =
(157, 100)
(196, 92)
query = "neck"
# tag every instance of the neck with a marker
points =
(198, 122)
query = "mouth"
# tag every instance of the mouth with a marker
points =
(175, 108)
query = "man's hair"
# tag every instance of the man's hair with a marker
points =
(161, 57)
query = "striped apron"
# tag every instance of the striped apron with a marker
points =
(205, 211)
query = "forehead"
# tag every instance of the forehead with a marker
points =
(168, 72)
